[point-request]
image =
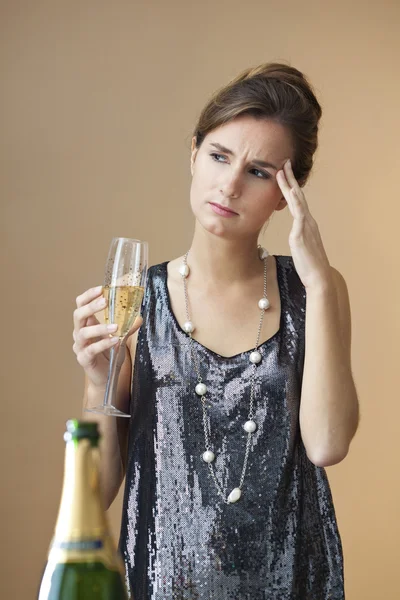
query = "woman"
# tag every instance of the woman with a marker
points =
(242, 390)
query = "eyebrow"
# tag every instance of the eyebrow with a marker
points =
(259, 163)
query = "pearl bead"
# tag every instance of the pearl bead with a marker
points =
(250, 426)
(262, 253)
(188, 327)
(201, 389)
(255, 357)
(208, 456)
(263, 303)
(184, 270)
(235, 495)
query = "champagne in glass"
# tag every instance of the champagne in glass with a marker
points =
(123, 306)
(124, 284)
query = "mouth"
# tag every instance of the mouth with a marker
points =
(223, 210)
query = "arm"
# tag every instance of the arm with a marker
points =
(114, 430)
(329, 411)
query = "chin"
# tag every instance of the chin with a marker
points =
(218, 227)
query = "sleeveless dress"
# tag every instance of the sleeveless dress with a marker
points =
(179, 539)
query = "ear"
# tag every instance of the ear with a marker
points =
(193, 154)
(281, 204)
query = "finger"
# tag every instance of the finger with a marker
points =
(283, 182)
(297, 206)
(285, 188)
(89, 295)
(292, 181)
(89, 322)
(88, 334)
(296, 231)
(82, 313)
(86, 355)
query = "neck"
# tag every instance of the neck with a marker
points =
(81, 511)
(218, 260)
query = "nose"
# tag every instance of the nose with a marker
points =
(231, 187)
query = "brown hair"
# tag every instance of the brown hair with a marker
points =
(272, 91)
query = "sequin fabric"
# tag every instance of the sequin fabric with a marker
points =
(179, 540)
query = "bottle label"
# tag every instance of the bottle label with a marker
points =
(79, 545)
(86, 550)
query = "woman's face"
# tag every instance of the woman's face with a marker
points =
(234, 181)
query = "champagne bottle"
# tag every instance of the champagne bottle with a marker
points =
(83, 563)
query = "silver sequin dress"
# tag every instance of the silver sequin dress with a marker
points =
(179, 540)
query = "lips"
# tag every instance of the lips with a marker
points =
(223, 209)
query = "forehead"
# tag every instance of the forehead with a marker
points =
(257, 138)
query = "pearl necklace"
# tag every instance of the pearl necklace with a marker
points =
(201, 389)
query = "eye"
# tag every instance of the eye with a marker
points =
(263, 175)
(215, 156)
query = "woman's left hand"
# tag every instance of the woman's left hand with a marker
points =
(308, 252)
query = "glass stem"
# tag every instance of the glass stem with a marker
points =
(113, 373)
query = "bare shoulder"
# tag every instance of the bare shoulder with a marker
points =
(174, 277)
(173, 267)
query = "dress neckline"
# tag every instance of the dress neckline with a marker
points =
(199, 345)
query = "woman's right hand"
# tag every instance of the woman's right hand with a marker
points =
(92, 341)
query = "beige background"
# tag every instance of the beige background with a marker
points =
(98, 100)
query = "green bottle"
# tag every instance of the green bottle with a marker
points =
(83, 563)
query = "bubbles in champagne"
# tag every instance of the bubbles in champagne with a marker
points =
(123, 306)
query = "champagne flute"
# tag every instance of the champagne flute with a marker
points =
(123, 289)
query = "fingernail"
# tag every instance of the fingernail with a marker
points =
(102, 302)
(112, 327)
(114, 340)
(98, 289)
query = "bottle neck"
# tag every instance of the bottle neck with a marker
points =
(81, 514)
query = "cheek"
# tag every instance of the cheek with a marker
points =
(264, 204)
(195, 194)
(268, 196)
(205, 174)
(201, 185)
(274, 192)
